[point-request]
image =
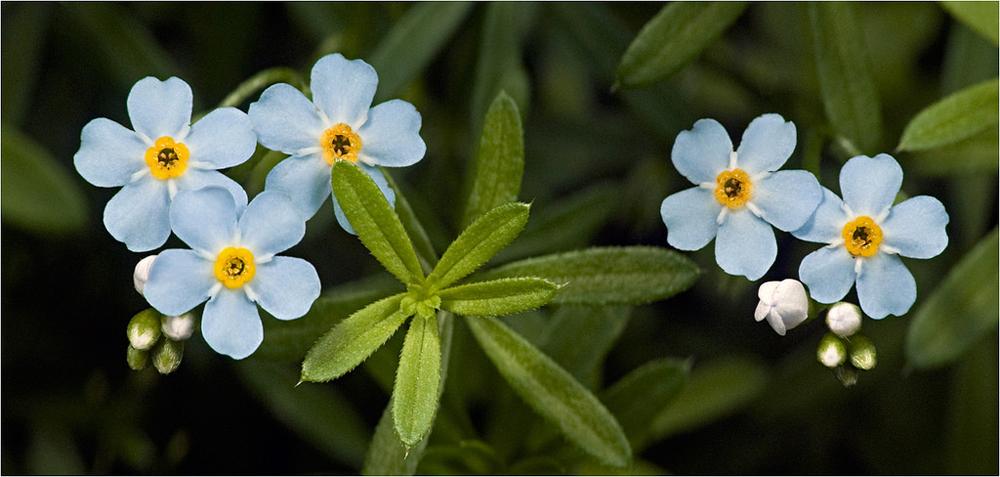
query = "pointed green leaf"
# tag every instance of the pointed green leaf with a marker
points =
(552, 392)
(478, 243)
(608, 275)
(415, 395)
(414, 229)
(499, 165)
(674, 37)
(506, 296)
(642, 394)
(376, 223)
(959, 311)
(976, 155)
(352, 340)
(957, 117)
(980, 16)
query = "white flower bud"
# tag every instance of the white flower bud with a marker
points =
(844, 319)
(178, 328)
(141, 273)
(784, 304)
(831, 351)
(144, 329)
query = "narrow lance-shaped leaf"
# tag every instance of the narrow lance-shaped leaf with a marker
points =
(421, 241)
(980, 16)
(415, 394)
(499, 66)
(674, 37)
(637, 398)
(552, 392)
(376, 223)
(957, 117)
(478, 243)
(499, 165)
(506, 296)
(352, 340)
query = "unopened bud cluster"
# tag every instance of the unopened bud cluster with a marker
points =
(157, 338)
(843, 350)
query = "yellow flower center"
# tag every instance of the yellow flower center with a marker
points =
(733, 188)
(862, 236)
(340, 143)
(234, 267)
(167, 159)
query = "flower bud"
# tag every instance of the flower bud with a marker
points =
(844, 319)
(141, 273)
(863, 355)
(831, 351)
(167, 356)
(784, 304)
(178, 328)
(144, 329)
(137, 359)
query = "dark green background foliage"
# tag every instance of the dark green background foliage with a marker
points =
(705, 388)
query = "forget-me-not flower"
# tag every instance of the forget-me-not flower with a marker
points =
(163, 155)
(739, 194)
(232, 264)
(867, 234)
(339, 124)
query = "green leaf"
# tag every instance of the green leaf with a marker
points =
(496, 175)
(415, 395)
(413, 42)
(478, 243)
(414, 228)
(26, 28)
(502, 297)
(467, 457)
(499, 66)
(975, 155)
(642, 394)
(376, 223)
(552, 392)
(608, 275)
(352, 340)
(957, 117)
(36, 193)
(959, 311)
(673, 38)
(256, 83)
(980, 16)
(580, 337)
(848, 89)
(972, 427)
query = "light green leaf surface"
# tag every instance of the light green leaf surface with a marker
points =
(478, 243)
(414, 228)
(415, 394)
(501, 297)
(957, 117)
(496, 173)
(642, 394)
(980, 16)
(975, 155)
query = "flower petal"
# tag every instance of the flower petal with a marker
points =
(286, 287)
(829, 273)
(916, 227)
(690, 218)
(825, 225)
(383, 185)
(271, 224)
(304, 179)
(160, 108)
(343, 89)
(205, 219)
(109, 153)
(138, 215)
(178, 281)
(702, 152)
(870, 184)
(391, 136)
(767, 143)
(885, 286)
(745, 245)
(195, 179)
(223, 138)
(777, 324)
(231, 324)
(787, 199)
(285, 120)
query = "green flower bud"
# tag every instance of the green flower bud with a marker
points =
(137, 359)
(831, 351)
(167, 355)
(144, 329)
(863, 355)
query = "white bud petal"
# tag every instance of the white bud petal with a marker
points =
(784, 303)
(178, 328)
(141, 273)
(844, 319)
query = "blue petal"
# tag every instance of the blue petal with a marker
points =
(223, 138)
(383, 185)
(109, 153)
(767, 143)
(271, 224)
(138, 215)
(916, 227)
(160, 108)
(179, 281)
(391, 137)
(195, 179)
(745, 245)
(829, 273)
(343, 89)
(305, 180)
(885, 286)
(787, 199)
(690, 218)
(231, 324)
(826, 224)
(701, 153)
(285, 120)
(205, 219)
(869, 185)
(286, 287)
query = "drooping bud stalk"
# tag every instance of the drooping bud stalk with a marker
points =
(863, 354)
(167, 355)
(844, 319)
(141, 273)
(831, 351)
(784, 304)
(178, 328)
(144, 329)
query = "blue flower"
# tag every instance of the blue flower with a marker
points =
(163, 155)
(867, 234)
(233, 265)
(739, 194)
(339, 124)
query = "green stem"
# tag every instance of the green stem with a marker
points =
(261, 80)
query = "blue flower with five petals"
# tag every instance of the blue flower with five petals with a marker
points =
(163, 155)
(739, 195)
(339, 124)
(866, 235)
(233, 265)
